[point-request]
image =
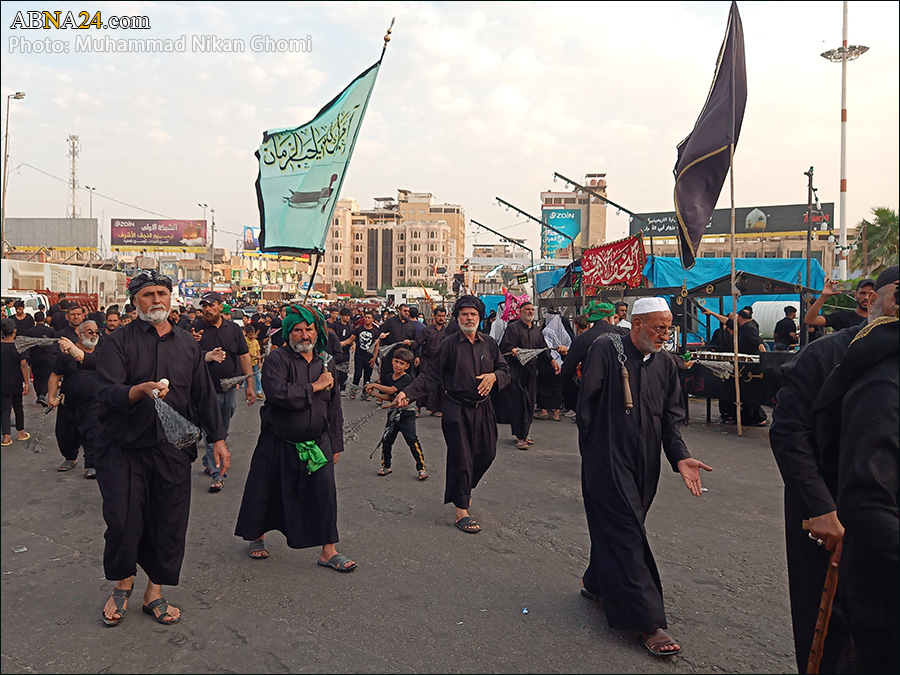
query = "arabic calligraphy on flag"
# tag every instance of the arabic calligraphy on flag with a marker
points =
(620, 262)
(301, 171)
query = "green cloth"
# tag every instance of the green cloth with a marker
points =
(313, 317)
(598, 310)
(312, 454)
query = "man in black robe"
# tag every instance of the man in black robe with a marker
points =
(519, 397)
(809, 468)
(290, 487)
(429, 341)
(467, 366)
(396, 330)
(144, 480)
(857, 416)
(620, 465)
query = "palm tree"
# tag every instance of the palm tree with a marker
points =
(882, 238)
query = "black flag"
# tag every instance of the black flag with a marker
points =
(704, 157)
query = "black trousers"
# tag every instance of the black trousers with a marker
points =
(77, 427)
(8, 405)
(146, 503)
(40, 372)
(406, 425)
(362, 369)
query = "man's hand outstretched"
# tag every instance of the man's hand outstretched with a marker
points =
(690, 473)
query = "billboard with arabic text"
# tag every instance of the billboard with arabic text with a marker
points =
(158, 235)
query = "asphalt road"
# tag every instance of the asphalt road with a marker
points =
(426, 597)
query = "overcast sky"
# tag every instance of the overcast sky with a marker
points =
(474, 100)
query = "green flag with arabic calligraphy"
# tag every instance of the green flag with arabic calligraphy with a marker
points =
(301, 171)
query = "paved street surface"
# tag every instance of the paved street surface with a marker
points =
(426, 597)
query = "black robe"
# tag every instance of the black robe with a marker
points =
(280, 493)
(810, 488)
(144, 480)
(468, 421)
(429, 341)
(858, 410)
(517, 400)
(620, 465)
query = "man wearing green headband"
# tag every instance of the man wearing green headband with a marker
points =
(290, 486)
(600, 314)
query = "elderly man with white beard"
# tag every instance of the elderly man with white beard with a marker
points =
(630, 406)
(74, 389)
(144, 480)
(290, 486)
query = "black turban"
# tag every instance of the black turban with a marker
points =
(468, 301)
(148, 278)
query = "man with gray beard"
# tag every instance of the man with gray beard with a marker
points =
(624, 420)
(145, 481)
(466, 368)
(290, 486)
(76, 417)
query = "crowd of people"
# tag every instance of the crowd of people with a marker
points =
(122, 382)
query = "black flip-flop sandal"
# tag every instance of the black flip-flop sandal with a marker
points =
(119, 596)
(468, 525)
(163, 606)
(257, 546)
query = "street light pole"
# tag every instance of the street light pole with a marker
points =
(204, 207)
(212, 229)
(843, 54)
(91, 218)
(17, 96)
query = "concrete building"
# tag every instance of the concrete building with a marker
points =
(396, 243)
(580, 215)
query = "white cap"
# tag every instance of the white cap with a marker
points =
(647, 305)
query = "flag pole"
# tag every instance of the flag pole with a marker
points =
(312, 277)
(734, 309)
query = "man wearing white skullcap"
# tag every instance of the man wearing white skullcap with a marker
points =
(630, 405)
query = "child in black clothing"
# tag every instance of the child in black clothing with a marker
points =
(404, 423)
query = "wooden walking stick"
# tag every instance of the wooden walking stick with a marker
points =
(818, 643)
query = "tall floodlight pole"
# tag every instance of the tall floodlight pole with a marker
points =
(17, 96)
(841, 55)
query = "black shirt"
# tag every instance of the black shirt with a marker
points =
(343, 331)
(23, 325)
(11, 379)
(398, 330)
(67, 331)
(365, 340)
(400, 383)
(842, 318)
(231, 339)
(749, 339)
(783, 330)
(59, 321)
(46, 354)
(79, 385)
(135, 354)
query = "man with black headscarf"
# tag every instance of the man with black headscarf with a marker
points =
(145, 481)
(519, 397)
(290, 487)
(467, 366)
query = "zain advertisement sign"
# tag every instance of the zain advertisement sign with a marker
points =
(567, 221)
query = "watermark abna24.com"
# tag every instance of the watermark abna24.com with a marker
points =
(74, 21)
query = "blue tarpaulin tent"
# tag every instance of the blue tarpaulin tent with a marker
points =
(662, 272)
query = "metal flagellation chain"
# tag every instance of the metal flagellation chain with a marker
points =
(229, 383)
(617, 342)
(526, 355)
(26, 342)
(179, 431)
(36, 442)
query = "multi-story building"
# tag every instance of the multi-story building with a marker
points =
(391, 244)
(580, 215)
